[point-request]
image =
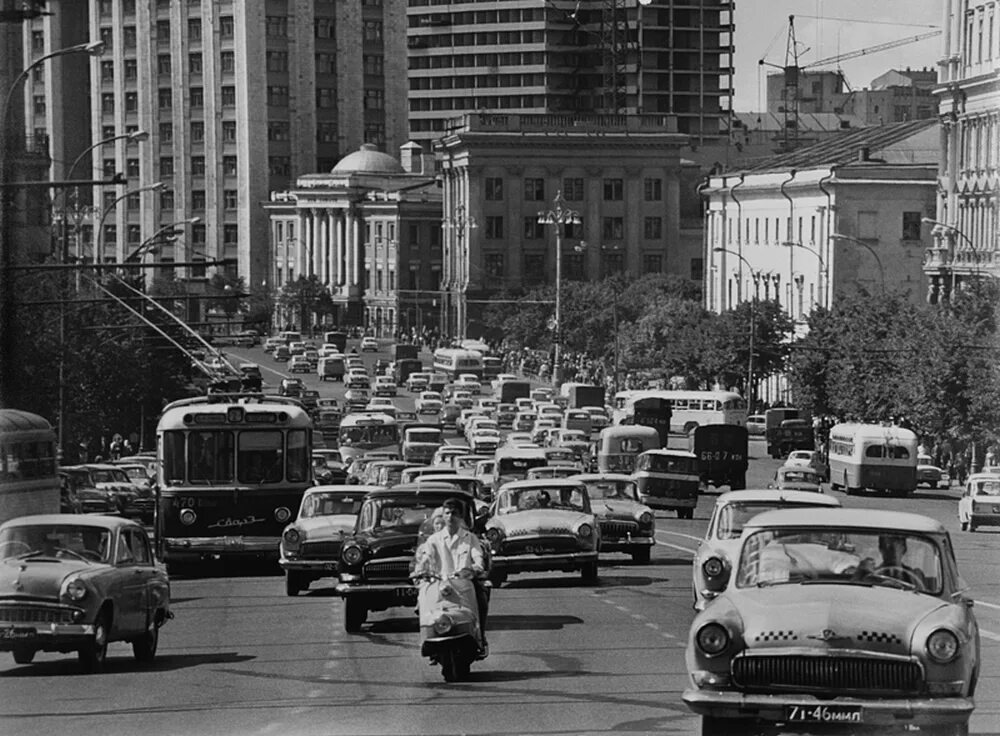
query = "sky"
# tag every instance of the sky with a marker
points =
(825, 28)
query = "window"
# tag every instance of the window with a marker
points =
(131, 102)
(107, 71)
(132, 168)
(131, 70)
(230, 199)
(323, 27)
(326, 97)
(277, 96)
(326, 131)
(534, 190)
(652, 228)
(229, 131)
(108, 167)
(134, 232)
(373, 65)
(614, 190)
(533, 229)
(652, 262)
(163, 30)
(165, 98)
(197, 97)
(110, 234)
(613, 263)
(374, 99)
(128, 37)
(166, 166)
(911, 225)
(277, 61)
(38, 42)
(229, 165)
(227, 61)
(197, 165)
(108, 39)
(167, 199)
(197, 131)
(107, 104)
(494, 189)
(652, 190)
(494, 265)
(198, 199)
(494, 227)
(534, 268)
(278, 130)
(373, 30)
(227, 28)
(194, 63)
(228, 96)
(163, 64)
(612, 228)
(276, 26)
(230, 234)
(572, 190)
(107, 131)
(194, 29)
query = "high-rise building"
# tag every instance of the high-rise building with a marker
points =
(570, 56)
(237, 98)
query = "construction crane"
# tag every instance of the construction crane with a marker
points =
(792, 69)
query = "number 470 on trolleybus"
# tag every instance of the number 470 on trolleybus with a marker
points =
(231, 473)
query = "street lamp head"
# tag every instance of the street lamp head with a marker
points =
(139, 135)
(929, 221)
(94, 48)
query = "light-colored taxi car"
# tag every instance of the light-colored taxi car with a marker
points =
(299, 364)
(542, 525)
(797, 478)
(930, 474)
(626, 524)
(850, 617)
(716, 552)
(980, 501)
(429, 402)
(444, 454)
(384, 386)
(484, 440)
(310, 545)
(809, 459)
(369, 345)
(71, 582)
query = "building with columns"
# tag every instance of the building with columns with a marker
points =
(966, 225)
(370, 231)
(823, 221)
(620, 173)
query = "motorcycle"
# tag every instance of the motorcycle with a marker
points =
(449, 623)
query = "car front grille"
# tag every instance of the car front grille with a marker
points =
(320, 550)
(21, 613)
(617, 529)
(831, 675)
(389, 570)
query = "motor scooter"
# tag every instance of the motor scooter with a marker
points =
(449, 623)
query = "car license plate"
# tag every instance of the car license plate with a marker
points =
(10, 633)
(824, 714)
(405, 593)
(538, 549)
(233, 542)
(330, 566)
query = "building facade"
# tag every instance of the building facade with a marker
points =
(571, 56)
(621, 175)
(370, 232)
(237, 99)
(966, 225)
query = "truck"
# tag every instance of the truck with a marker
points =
(404, 352)
(782, 438)
(403, 368)
(510, 391)
(723, 453)
(579, 395)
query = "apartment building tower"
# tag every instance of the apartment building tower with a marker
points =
(570, 56)
(237, 100)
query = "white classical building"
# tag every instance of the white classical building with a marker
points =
(966, 225)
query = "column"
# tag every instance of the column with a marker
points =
(359, 252)
(348, 248)
(316, 231)
(300, 245)
(338, 247)
(324, 245)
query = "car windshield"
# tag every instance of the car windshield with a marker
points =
(396, 513)
(104, 476)
(92, 543)
(137, 473)
(424, 435)
(987, 487)
(799, 476)
(329, 504)
(528, 499)
(850, 556)
(624, 489)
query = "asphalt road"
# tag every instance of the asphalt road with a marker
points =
(567, 658)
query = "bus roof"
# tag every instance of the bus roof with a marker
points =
(15, 420)
(205, 409)
(526, 452)
(671, 453)
(367, 418)
(872, 431)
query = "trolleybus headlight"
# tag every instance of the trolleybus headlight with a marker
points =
(352, 554)
(188, 517)
(282, 514)
(942, 646)
(712, 639)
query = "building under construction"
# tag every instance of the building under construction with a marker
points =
(573, 56)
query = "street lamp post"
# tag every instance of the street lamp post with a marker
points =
(99, 238)
(753, 325)
(824, 273)
(559, 216)
(943, 226)
(863, 244)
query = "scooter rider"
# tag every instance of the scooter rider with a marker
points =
(454, 551)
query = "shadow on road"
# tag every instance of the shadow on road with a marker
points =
(116, 664)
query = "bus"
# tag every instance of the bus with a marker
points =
(364, 432)
(688, 409)
(29, 483)
(231, 472)
(875, 457)
(492, 367)
(454, 361)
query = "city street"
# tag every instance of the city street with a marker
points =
(567, 658)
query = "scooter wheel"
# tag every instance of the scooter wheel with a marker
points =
(454, 667)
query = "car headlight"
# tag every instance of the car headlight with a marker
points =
(712, 639)
(494, 536)
(942, 646)
(351, 555)
(585, 531)
(443, 624)
(713, 567)
(292, 537)
(645, 518)
(75, 589)
(188, 517)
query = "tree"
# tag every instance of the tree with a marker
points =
(306, 296)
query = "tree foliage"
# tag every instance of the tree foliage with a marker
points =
(306, 297)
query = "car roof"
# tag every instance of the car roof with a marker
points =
(774, 494)
(412, 489)
(96, 520)
(860, 518)
(353, 490)
(603, 476)
(545, 482)
(984, 476)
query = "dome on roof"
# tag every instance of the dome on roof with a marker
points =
(368, 160)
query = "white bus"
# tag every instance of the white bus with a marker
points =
(454, 361)
(365, 432)
(873, 456)
(689, 409)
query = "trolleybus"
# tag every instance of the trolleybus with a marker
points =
(29, 483)
(688, 409)
(231, 472)
(873, 457)
(364, 432)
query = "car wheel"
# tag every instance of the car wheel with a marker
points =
(355, 614)
(93, 654)
(965, 526)
(144, 648)
(23, 655)
(640, 555)
(588, 573)
(498, 578)
(714, 726)
(972, 525)
(294, 583)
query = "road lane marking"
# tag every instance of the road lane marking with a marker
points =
(674, 546)
(638, 617)
(988, 605)
(989, 635)
(680, 534)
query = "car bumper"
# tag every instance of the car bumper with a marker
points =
(320, 567)
(881, 712)
(624, 543)
(528, 563)
(194, 548)
(49, 637)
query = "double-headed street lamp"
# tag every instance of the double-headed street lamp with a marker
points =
(99, 239)
(824, 272)
(753, 324)
(976, 256)
(559, 216)
(866, 246)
